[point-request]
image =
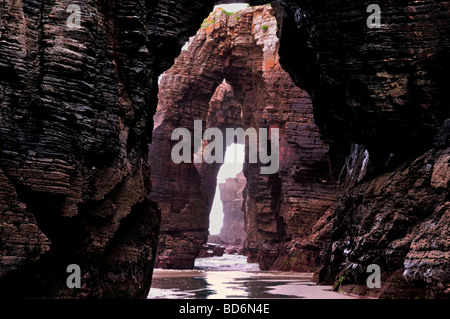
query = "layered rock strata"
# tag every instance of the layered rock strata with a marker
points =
(75, 122)
(74, 129)
(241, 48)
(381, 99)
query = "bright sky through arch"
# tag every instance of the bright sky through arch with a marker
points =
(233, 7)
(233, 164)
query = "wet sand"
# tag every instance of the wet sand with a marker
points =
(231, 277)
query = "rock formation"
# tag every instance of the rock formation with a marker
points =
(242, 49)
(211, 250)
(76, 105)
(75, 123)
(231, 195)
(381, 99)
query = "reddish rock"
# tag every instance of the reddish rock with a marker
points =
(278, 207)
(75, 125)
(211, 250)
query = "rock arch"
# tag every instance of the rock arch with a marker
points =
(75, 123)
(243, 49)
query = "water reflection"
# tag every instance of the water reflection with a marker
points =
(231, 276)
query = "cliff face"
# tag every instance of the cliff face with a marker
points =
(381, 98)
(384, 88)
(398, 220)
(241, 48)
(231, 195)
(74, 132)
(75, 126)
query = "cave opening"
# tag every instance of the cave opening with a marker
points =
(228, 76)
(223, 80)
(75, 124)
(232, 166)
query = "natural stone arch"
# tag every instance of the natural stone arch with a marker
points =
(238, 49)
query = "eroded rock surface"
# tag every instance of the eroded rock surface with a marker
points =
(75, 122)
(242, 49)
(381, 99)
